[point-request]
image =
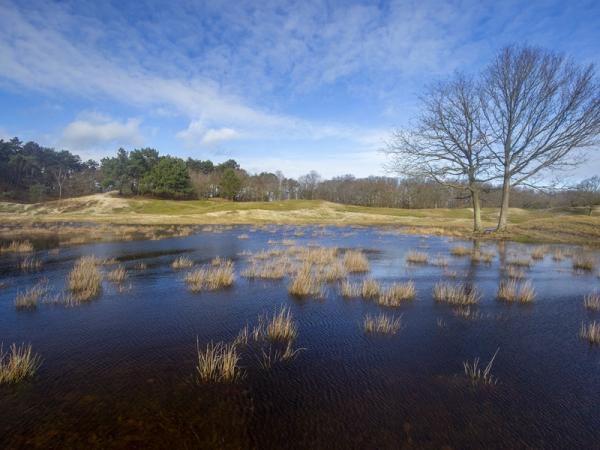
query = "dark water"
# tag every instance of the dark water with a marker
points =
(118, 372)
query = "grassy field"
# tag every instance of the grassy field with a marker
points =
(562, 226)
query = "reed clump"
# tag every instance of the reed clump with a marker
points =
(17, 247)
(370, 288)
(355, 261)
(281, 326)
(397, 293)
(182, 262)
(350, 290)
(455, 294)
(476, 375)
(512, 291)
(538, 253)
(18, 363)
(584, 262)
(514, 273)
(118, 275)
(592, 301)
(558, 255)
(590, 332)
(305, 283)
(416, 257)
(218, 363)
(460, 250)
(85, 280)
(210, 278)
(29, 298)
(271, 270)
(382, 324)
(30, 263)
(440, 261)
(522, 261)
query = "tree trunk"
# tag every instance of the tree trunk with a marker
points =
(503, 220)
(476, 210)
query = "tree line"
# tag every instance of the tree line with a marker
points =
(529, 112)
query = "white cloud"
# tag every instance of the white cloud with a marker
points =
(197, 134)
(98, 132)
(214, 136)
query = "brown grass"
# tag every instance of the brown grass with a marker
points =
(522, 261)
(382, 324)
(30, 297)
(30, 263)
(511, 291)
(397, 293)
(440, 261)
(217, 363)
(355, 261)
(415, 257)
(455, 294)
(85, 281)
(349, 290)
(182, 262)
(305, 283)
(460, 250)
(118, 275)
(513, 273)
(276, 269)
(281, 326)
(370, 288)
(17, 247)
(333, 272)
(538, 253)
(209, 278)
(476, 375)
(584, 262)
(558, 255)
(592, 301)
(590, 332)
(18, 364)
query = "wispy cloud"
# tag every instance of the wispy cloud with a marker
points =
(93, 131)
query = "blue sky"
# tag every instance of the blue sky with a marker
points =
(293, 86)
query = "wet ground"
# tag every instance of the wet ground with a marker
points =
(118, 372)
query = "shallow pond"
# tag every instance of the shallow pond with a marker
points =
(119, 371)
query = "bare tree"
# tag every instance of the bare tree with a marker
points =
(542, 110)
(449, 143)
(588, 193)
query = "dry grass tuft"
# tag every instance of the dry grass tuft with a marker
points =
(349, 290)
(334, 272)
(440, 261)
(319, 256)
(85, 281)
(513, 273)
(218, 363)
(476, 375)
(281, 326)
(558, 255)
(538, 253)
(415, 257)
(355, 261)
(17, 247)
(511, 291)
(397, 293)
(590, 332)
(592, 301)
(382, 324)
(118, 275)
(270, 358)
(18, 363)
(30, 297)
(455, 294)
(276, 269)
(465, 312)
(460, 250)
(210, 278)
(305, 283)
(30, 263)
(182, 262)
(584, 262)
(520, 262)
(370, 288)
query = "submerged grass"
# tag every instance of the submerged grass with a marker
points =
(592, 301)
(217, 363)
(584, 262)
(85, 281)
(305, 283)
(211, 278)
(512, 291)
(590, 332)
(476, 375)
(370, 288)
(182, 262)
(455, 294)
(29, 298)
(118, 275)
(18, 363)
(397, 293)
(281, 326)
(416, 257)
(17, 247)
(355, 261)
(30, 263)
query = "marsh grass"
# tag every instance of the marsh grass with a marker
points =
(30, 264)
(276, 269)
(460, 250)
(29, 298)
(397, 293)
(382, 324)
(522, 261)
(218, 363)
(466, 312)
(514, 273)
(416, 257)
(355, 261)
(273, 356)
(332, 273)
(440, 261)
(512, 291)
(476, 375)
(182, 262)
(584, 262)
(243, 236)
(590, 332)
(350, 290)
(455, 294)
(85, 280)
(592, 301)
(140, 266)
(539, 253)
(209, 278)
(17, 247)
(305, 283)
(118, 275)
(18, 363)
(319, 256)
(281, 326)
(558, 255)
(370, 288)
